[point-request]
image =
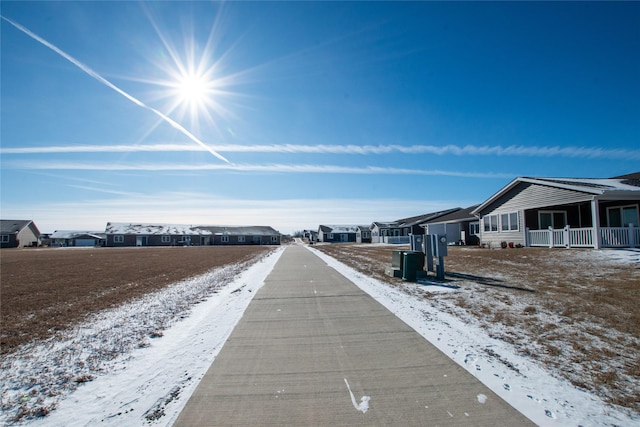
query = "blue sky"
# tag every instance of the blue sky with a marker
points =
(294, 114)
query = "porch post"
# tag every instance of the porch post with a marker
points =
(632, 236)
(595, 218)
(550, 236)
(567, 237)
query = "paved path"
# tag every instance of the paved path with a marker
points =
(312, 349)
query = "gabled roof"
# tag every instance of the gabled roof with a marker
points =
(456, 216)
(598, 187)
(187, 230)
(408, 222)
(385, 224)
(414, 220)
(338, 228)
(152, 229)
(14, 226)
(255, 230)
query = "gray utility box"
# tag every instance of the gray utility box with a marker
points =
(396, 259)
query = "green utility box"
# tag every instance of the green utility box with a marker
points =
(410, 266)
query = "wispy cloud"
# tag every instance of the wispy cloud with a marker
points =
(286, 215)
(107, 83)
(440, 150)
(267, 168)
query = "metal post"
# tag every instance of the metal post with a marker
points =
(440, 268)
(428, 250)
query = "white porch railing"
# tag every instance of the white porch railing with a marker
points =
(395, 240)
(610, 237)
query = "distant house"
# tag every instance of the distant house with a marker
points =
(363, 234)
(381, 231)
(460, 226)
(310, 235)
(563, 212)
(65, 238)
(238, 235)
(142, 234)
(398, 232)
(16, 233)
(337, 233)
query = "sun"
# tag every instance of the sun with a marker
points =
(193, 90)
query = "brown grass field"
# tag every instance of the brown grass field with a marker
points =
(572, 310)
(44, 290)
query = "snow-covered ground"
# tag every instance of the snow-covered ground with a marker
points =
(149, 380)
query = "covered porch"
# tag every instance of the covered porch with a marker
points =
(594, 224)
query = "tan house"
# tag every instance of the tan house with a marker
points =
(563, 212)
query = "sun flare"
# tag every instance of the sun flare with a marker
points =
(193, 90)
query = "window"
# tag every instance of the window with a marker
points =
(509, 221)
(166, 239)
(330, 236)
(274, 238)
(118, 239)
(621, 216)
(490, 223)
(474, 228)
(5, 238)
(224, 239)
(240, 239)
(553, 219)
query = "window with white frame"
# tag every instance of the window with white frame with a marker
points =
(118, 239)
(166, 239)
(5, 238)
(224, 239)
(490, 223)
(274, 238)
(622, 216)
(509, 221)
(240, 239)
(330, 236)
(474, 228)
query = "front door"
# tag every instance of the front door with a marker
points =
(141, 240)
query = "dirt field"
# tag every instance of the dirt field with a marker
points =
(575, 311)
(44, 290)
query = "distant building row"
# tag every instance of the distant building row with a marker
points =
(547, 212)
(25, 233)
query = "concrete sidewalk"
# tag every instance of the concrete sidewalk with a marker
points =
(313, 349)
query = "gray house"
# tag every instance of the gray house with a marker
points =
(337, 233)
(67, 238)
(363, 234)
(15, 233)
(563, 212)
(460, 226)
(398, 232)
(130, 234)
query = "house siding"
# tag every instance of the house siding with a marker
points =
(530, 196)
(494, 239)
(527, 199)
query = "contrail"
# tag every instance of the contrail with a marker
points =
(106, 82)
